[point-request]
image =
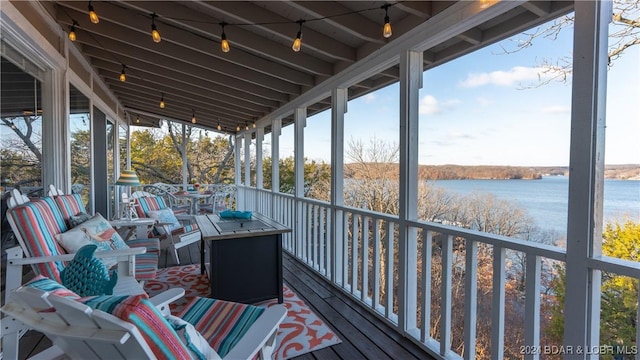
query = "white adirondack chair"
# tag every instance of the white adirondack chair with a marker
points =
(79, 332)
(16, 260)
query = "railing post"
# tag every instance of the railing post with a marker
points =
(497, 303)
(471, 299)
(532, 306)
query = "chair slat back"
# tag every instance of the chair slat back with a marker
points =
(35, 225)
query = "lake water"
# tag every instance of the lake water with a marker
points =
(546, 199)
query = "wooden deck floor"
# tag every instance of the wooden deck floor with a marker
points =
(363, 336)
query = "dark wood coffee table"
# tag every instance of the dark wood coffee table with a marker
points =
(245, 257)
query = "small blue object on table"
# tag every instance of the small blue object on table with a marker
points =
(229, 214)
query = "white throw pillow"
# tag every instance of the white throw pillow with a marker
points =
(96, 231)
(198, 346)
(165, 216)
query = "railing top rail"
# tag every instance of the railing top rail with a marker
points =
(543, 250)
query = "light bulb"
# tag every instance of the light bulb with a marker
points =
(246, 126)
(254, 124)
(155, 34)
(219, 127)
(297, 43)
(137, 119)
(162, 102)
(238, 128)
(92, 14)
(224, 44)
(193, 118)
(72, 34)
(386, 31)
(123, 77)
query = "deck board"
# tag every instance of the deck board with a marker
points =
(363, 335)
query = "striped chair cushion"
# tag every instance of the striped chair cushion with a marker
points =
(45, 284)
(185, 229)
(152, 245)
(138, 310)
(149, 203)
(37, 223)
(222, 323)
(146, 266)
(70, 205)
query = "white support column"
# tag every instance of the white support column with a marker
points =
(247, 158)
(238, 169)
(259, 168)
(339, 100)
(410, 84)
(300, 122)
(276, 129)
(586, 163)
(185, 181)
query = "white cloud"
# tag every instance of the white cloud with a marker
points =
(369, 98)
(483, 101)
(429, 105)
(558, 109)
(502, 78)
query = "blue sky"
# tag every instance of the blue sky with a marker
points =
(483, 110)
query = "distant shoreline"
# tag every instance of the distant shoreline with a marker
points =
(491, 172)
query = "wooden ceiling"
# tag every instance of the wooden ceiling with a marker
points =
(261, 72)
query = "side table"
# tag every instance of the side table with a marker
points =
(127, 228)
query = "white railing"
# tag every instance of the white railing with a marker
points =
(349, 247)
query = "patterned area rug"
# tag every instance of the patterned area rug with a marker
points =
(301, 331)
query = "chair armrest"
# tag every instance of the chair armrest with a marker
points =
(162, 300)
(126, 253)
(186, 217)
(258, 334)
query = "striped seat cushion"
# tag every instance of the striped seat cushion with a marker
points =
(152, 245)
(222, 323)
(138, 310)
(37, 223)
(45, 284)
(70, 205)
(185, 229)
(146, 266)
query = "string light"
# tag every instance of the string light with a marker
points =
(297, 43)
(12, 125)
(154, 30)
(137, 119)
(193, 116)
(254, 124)
(162, 101)
(93, 16)
(72, 31)
(224, 44)
(246, 126)
(238, 128)
(219, 127)
(386, 30)
(123, 77)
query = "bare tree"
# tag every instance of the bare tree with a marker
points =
(623, 36)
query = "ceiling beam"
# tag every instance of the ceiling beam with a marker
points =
(227, 90)
(121, 35)
(282, 28)
(353, 24)
(239, 38)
